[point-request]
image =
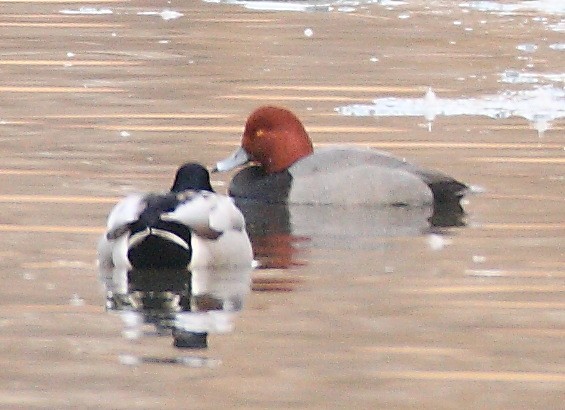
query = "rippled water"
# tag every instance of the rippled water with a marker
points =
(348, 307)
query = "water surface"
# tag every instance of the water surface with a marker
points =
(348, 308)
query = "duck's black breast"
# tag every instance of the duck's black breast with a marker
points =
(255, 184)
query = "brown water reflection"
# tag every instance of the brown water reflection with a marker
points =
(471, 318)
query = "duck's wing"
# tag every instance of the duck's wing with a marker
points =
(226, 216)
(208, 215)
(112, 246)
(120, 218)
(446, 190)
(443, 186)
(104, 256)
(123, 214)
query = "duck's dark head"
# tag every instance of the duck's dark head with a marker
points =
(192, 176)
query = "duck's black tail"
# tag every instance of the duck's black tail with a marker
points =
(448, 210)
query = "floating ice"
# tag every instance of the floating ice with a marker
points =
(170, 15)
(282, 6)
(527, 48)
(516, 77)
(430, 107)
(188, 361)
(345, 6)
(165, 14)
(76, 300)
(557, 46)
(198, 362)
(87, 10)
(540, 106)
(130, 360)
(546, 6)
(558, 26)
(488, 273)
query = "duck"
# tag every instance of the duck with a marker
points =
(188, 228)
(283, 167)
(162, 253)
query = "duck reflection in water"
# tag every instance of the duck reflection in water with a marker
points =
(280, 233)
(179, 260)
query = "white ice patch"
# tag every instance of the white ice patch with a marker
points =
(165, 14)
(86, 11)
(527, 48)
(560, 27)
(76, 300)
(540, 106)
(487, 273)
(557, 46)
(129, 360)
(344, 6)
(545, 6)
(282, 6)
(517, 77)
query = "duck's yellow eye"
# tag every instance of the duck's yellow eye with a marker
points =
(259, 133)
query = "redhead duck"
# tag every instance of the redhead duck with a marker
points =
(290, 171)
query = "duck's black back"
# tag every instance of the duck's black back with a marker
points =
(156, 251)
